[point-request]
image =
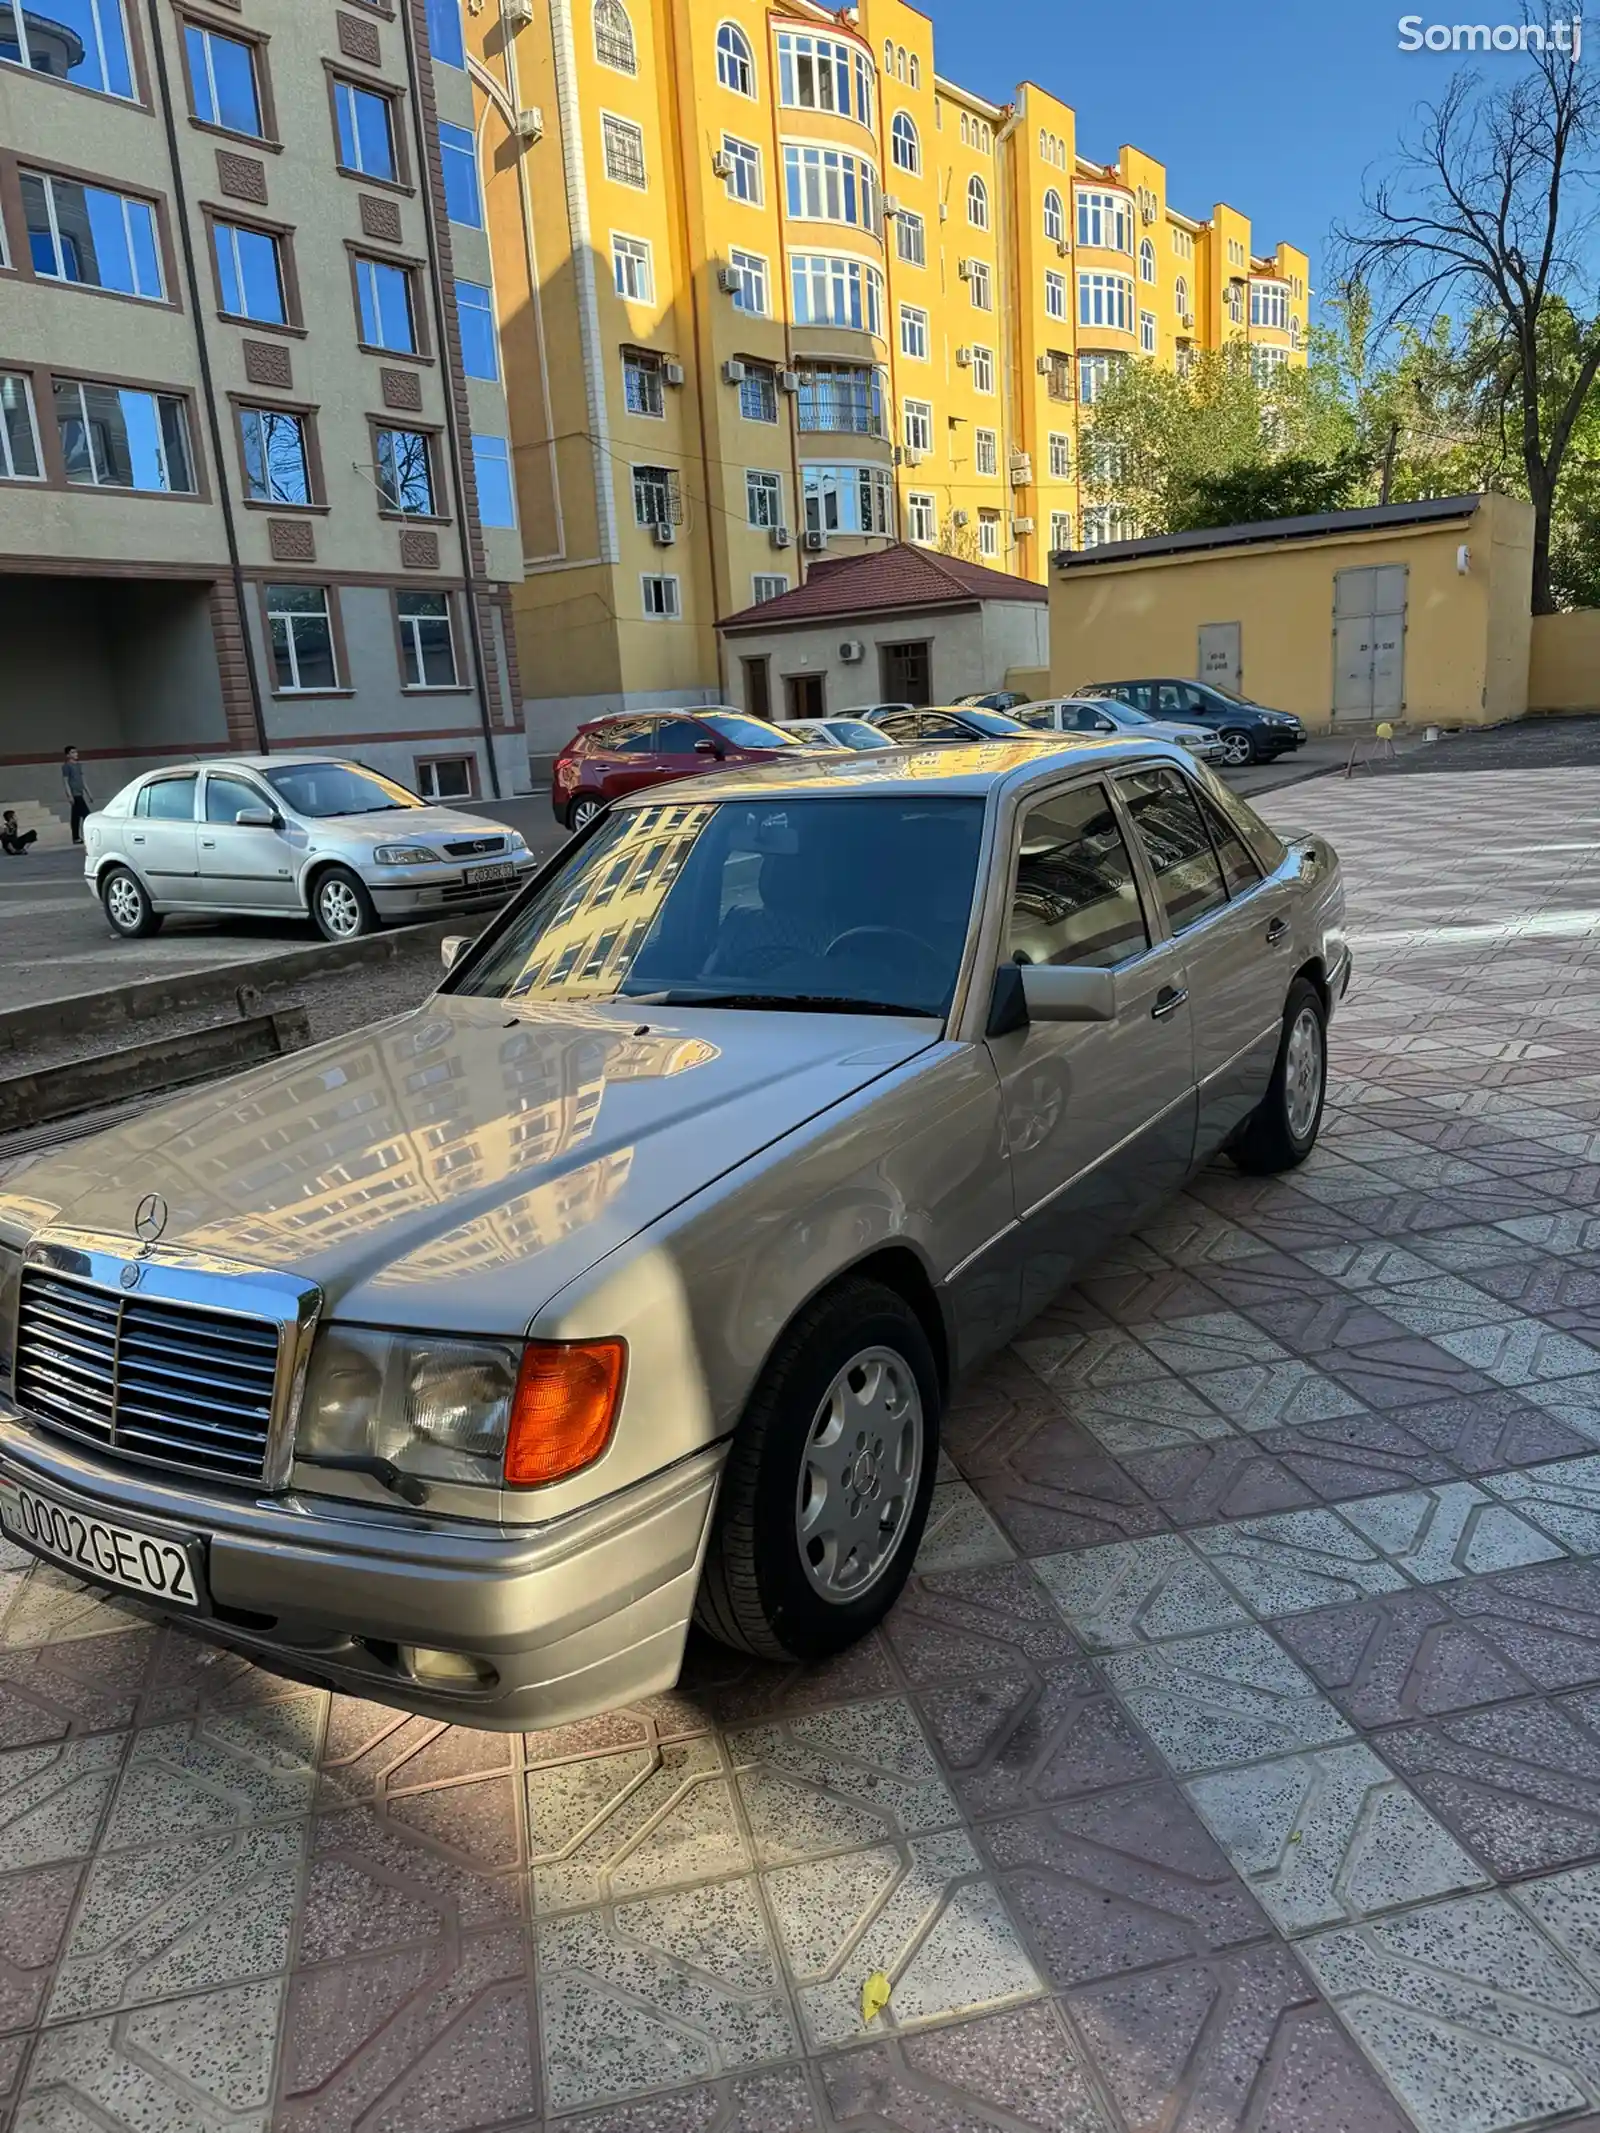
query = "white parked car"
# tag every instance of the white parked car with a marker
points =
(1115, 721)
(841, 732)
(288, 835)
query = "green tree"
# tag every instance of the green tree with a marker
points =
(1272, 488)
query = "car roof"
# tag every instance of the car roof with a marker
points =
(612, 718)
(250, 762)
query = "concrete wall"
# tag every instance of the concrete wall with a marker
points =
(1466, 654)
(973, 650)
(1564, 662)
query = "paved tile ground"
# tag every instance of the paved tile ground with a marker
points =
(1233, 1761)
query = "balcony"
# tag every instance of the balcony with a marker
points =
(842, 398)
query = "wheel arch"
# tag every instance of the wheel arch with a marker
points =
(1314, 970)
(899, 1268)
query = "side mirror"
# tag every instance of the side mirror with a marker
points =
(1050, 992)
(452, 948)
(708, 748)
(258, 818)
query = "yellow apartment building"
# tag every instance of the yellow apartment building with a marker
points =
(769, 287)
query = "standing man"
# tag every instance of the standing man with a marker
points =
(77, 792)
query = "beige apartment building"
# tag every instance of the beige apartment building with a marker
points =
(255, 465)
(772, 288)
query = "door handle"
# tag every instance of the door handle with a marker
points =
(1277, 931)
(208, 844)
(1168, 1000)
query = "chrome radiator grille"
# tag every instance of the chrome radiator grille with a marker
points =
(146, 1377)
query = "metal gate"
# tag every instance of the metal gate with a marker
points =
(1220, 661)
(1369, 642)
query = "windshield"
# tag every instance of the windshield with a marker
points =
(994, 722)
(318, 789)
(746, 732)
(856, 905)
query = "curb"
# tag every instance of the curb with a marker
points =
(55, 1093)
(213, 985)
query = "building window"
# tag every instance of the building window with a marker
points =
(758, 395)
(445, 41)
(977, 203)
(989, 534)
(447, 777)
(613, 37)
(624, 149)
(918, 419)
(763, 498)
(642, 392)
(222, 80)
(985, 452)
(905, 150)
(751, 293)
(302, 638)
(910, 238)
(1094, 372)
(19, 432)
(1235, 302)
(1104, 523)
(1269, 305)
(1055, 219)
(983, 370)
(830, 185)
(1055, 294)
(979, 285)
(366, 131)
(841, 396)
(383, 300)
(459, 162)
(824, 74)
(914, 332)
(1294, 332)
(1060, 531)
(115, 437)
(1180, 298)
(1106, 300)
(922, 519)
(744, 178)
(91, 235)
(277, 469)
(1147, 332)
(250, 273)
(405, 472)
(630, 268)
(849, 499)
(736, 67)
(1147, 260)
(1058, 382)
(837, 292)
(661, 599)
(1060, 456)
(656, 497)
(427, 643)
(1265, 363)
(491, 461)
(768, 585)
(480, 350)
(1182, 243)
(84, 41)
(1106, 220)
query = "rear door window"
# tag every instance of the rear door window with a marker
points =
(1168, 823)
(169, 800)
(933, 727)
(1239, 869)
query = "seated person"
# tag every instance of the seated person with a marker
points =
(14, 842)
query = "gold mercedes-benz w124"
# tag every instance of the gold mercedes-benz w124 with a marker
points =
(462, 1361)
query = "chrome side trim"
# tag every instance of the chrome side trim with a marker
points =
(1106, 1154)
(1272, 1030)
(988, 1245)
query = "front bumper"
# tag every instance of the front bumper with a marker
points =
(561, 1620)
(409, 893)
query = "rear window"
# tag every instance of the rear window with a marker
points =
(747, 732)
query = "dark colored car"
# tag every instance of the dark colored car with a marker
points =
(1249, 732)
(946, 723)
(996, 700)
(612, 756)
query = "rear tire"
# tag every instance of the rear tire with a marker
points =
(127, 906)
(341, 906)
(1282, 1130)
(826, 1489)
(1238, 749)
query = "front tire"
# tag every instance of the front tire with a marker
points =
(826, 1489)
(1238, 749)
(583, 811)
(127, 906)
(341, 906)
(1282, 1130)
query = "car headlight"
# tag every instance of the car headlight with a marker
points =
(515, 842)
(10, 1297)
(406, 855)
(476, 1411)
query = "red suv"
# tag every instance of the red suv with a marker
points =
(612, 756)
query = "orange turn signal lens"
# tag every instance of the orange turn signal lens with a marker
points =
(564, 1409)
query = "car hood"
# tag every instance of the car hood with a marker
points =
(1170, 729)
(405, 825)
(458, 1166)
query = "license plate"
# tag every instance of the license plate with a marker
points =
(121, 1555)
(476, 876)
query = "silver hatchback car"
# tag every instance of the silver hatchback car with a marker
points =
(459, 1362)
(291, 835)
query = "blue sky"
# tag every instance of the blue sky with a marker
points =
(1276, 109)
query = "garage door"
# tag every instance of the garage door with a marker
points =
(1369, 642)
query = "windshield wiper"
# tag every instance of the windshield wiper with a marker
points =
(823, 1003)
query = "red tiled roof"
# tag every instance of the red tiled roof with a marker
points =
(896, 577)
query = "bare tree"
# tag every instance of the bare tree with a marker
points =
(1493, 208)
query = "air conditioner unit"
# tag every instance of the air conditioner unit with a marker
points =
(729, 280)
(1063, 248)
(964, 269)
(721, 163)
(788, 381)
(891, 204)
(960, 518)
(733, 372)
(672, 372)
(530, 123)
(666, 533)
(913, 458)
(852, 650)
(816, 540)
(1188, 322)
(516, 14)
(944, 211)
(1022, 525)
(964, 356)
(781, 537)
(1021, 469)
(1044, 366)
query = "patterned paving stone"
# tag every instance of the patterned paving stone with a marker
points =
(1545, 1621)
(1190, 1234)
(1448, 1532)
(1493, 1431)
(85, 1685)
(1440, 1304)
(200, 2065)
(1137, 1592)
(253, 1766)
(960, 1534)
(52, 1798)
(620, 1825)
(775, 2101)
(1119, 1882)
(923, 1913)
(1562, 1499)
(1331, 1836)
(1210, 1340)
(830, 1779)
(1129, 1295)
(1358, 1454)
(1405, 1372)
(1149, 1415)
(1572, 1402)
(476, 1824)
(1085, 1362)
(1519, 1782)
(51, 1607)
(1475, 2017)
(1404, 1655)
(1261, 1396)
(35, 1906)
(1015, 2072)
(1060, 1489)
(369, 1752)
(374, 1885)
(1232, 1478)
(1237, 2044)
(665, 1989)
(1366, 1266)
(191, 1679)
(1230, 1697)
(1297, 1561)
(731, 1689)
(1523, 1351)
(439, 2038)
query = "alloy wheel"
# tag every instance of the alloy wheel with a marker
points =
(124, 903)
(1237, 750)
(1302, 1073)
(859, 1475)
(341, 912)
(584, 812)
